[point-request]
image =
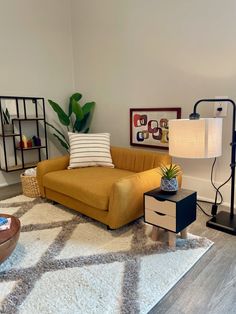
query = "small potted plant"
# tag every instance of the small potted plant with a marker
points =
(7, 125)
(169, 182)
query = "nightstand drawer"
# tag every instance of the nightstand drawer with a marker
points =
(160, 220)
(168, 208)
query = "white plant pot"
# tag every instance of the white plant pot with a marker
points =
(169, 186)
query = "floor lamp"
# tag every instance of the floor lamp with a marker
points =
(202, 138)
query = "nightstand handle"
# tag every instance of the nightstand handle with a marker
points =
(161, 214)
(159, 199)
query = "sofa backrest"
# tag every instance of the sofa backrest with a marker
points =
(137, 160)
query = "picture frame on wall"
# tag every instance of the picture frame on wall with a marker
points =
(149, 126)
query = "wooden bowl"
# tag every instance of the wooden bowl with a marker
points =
(9, 238)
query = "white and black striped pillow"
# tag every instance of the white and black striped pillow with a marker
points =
(87, 150)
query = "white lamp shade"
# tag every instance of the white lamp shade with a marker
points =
(200, 138)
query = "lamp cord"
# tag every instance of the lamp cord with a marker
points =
(213, 184)
(217, 191)
(203, 210)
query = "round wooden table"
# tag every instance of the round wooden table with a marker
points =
(9, 238)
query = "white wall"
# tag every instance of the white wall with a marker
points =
(138, 53)
(36, 56)
(126, 53)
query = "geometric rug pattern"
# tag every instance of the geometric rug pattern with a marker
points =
(65, 262)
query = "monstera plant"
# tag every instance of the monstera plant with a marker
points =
(76, 120)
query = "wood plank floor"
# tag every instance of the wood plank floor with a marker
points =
(210, 286)
(9, 191)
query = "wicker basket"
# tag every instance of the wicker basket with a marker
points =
(30, 186)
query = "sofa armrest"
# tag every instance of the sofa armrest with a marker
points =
(126, 199)
(46, 166)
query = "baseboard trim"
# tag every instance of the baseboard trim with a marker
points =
(2, 185)
(204, 189)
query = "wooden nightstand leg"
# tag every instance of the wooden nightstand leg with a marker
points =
(155, 233)
(183, 233)
(171, 239)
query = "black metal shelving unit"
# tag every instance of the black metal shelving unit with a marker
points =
(18, 121)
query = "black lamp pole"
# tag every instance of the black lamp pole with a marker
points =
(223, 221)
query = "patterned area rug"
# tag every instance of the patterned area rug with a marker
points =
(67, 263)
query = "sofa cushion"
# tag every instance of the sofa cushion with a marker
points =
(89, 150)
(91, 185)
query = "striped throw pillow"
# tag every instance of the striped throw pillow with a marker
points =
(87, 150)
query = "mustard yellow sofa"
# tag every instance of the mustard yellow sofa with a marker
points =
(113, 196)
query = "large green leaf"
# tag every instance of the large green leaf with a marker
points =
(76, 108)
(77, 97)
(88, 107)
(76, 126)
(5, 118)
(59, 132)
(62, 116)
(80, 125)
(62, 142)
(8, 116)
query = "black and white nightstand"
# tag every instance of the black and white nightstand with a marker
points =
(172, 212)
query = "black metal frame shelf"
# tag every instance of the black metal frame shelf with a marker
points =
(18, 120)
(19, 167)
(10, 135)
(30, 148)
(27, 119)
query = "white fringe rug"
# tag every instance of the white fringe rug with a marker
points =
(67, 263)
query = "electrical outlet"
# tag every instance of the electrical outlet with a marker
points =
(220, 108)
